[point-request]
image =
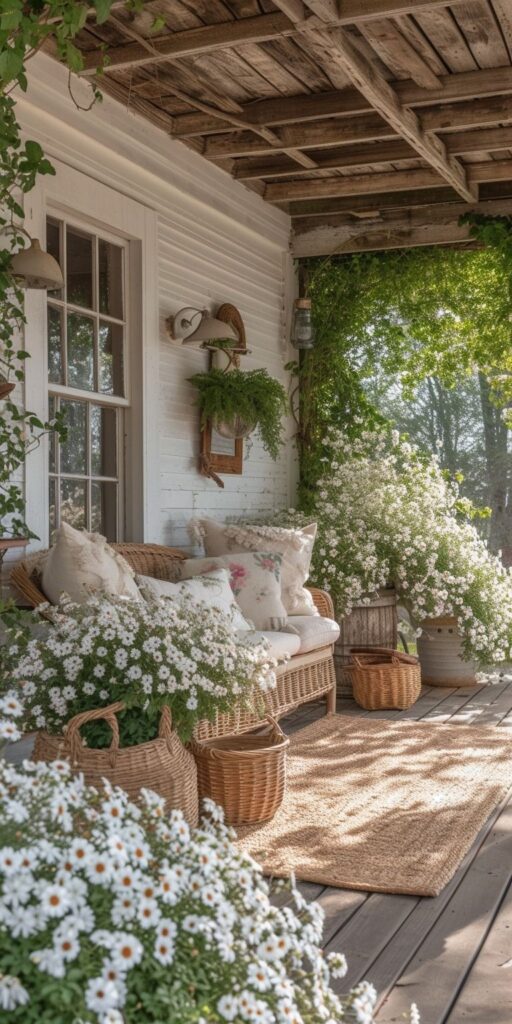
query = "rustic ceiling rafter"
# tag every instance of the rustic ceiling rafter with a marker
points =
(295, 154)
(404, 121)
(425, 226)
(357, 111)
(313, 106)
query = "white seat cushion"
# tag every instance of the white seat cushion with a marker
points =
(314, 631)
(281, 644)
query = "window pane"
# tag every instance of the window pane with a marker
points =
(111, 359)
(73, 452)
(80, 351)
(53, 507)
(79, 268)
(73, 503)
(103, 441)
(54, 248)
(110, 259)
(55, 368)
(104, 509)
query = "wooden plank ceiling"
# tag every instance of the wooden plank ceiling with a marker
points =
(373, 123)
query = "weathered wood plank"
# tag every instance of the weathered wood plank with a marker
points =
(352, 185)
(300, 108)
(203, 39)
(368, 933)
(448, 950)
(403, 120)
(487, 993)
(398, 54)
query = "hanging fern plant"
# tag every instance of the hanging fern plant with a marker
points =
(251, 398)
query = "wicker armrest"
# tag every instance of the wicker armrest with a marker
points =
(323, 602)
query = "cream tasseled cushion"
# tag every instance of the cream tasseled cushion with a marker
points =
(81, 563)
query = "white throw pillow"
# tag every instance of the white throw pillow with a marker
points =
(81, 563)
(294, 545)
(255, 579)
(214, 589)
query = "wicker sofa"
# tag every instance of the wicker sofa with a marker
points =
(305, 677)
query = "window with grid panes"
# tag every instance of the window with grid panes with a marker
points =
(87, 331)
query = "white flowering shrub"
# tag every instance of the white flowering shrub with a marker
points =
(118, 914)
(184, 654)
(388, 516)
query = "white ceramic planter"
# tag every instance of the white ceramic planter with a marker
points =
(235, 429)
(439, 651)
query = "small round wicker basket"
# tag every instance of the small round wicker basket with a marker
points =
(245, 774)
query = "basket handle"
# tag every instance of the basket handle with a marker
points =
(364, 665)
(74, 725)
(165, 726)
(276, 728)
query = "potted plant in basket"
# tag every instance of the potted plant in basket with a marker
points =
(134, 677)
(237, 402)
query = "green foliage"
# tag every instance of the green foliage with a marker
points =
(253, 395)
(24, 27)
(402, 316)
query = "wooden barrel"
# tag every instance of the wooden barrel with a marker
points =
(369, 625)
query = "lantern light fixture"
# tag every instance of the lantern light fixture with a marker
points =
(181, 328)
(303, 333)
(33, 267)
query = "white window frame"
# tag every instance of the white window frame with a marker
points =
(78, 197)
(97, 398)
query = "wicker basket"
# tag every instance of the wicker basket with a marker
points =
(246, 775)
(163, 764)
(384, 679)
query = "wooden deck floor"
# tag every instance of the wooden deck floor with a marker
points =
(452, 954)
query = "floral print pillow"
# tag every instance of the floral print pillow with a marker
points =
(294, 545)
(255, 579)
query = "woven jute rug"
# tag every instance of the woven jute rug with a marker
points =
(383, 806)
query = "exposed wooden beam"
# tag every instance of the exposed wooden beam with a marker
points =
(483, 140)
(318, 134)
(330, 159)
(366, 128)
(312, 106)
(385, 181)
(428, 226)
(325, 210)
(353, 185)
(354, 11)
(337, 241)
(190, 42)
(404, 121)
(470, 114)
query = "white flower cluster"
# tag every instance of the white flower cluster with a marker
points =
(115, 914)
(387, 516)
(11, 710)
(185, 654)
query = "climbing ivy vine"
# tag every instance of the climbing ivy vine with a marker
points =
(24, 28)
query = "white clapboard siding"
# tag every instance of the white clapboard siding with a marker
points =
(216, 242)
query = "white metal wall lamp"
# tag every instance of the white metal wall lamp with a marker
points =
(33, 267)
(185, 327)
